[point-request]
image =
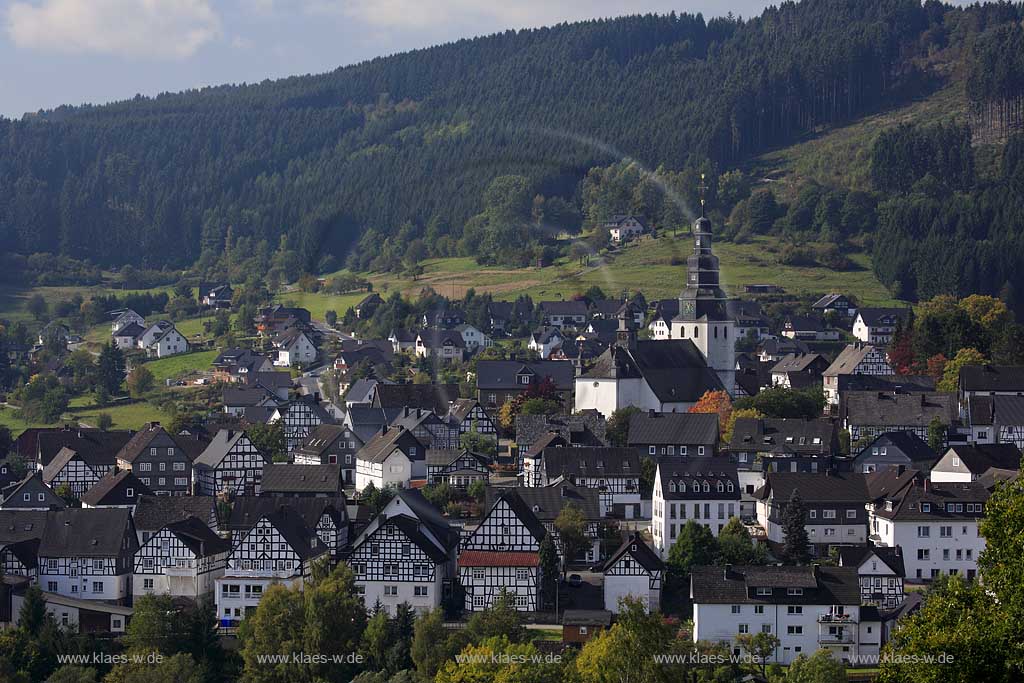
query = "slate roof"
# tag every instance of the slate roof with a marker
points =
(248, 395)
(996, 410)
(219, 447)
(435, 339)
(908, 443)
(289, 478)
(673, 428)
(110, 489)
(907, 502)
(460, 409)
(821, 585)
(674, 369)
(433, 397)
(19, 525)
(686, 471)
(430, 516)
(545, 502)
(562, 308)
(198, 537)
(501, 374)
(982, 457)
(442, 457)
(546, 334)
(738, 310)
(247, 510)
(131, 330)
(854, 555)
(992, 378)
(585, 429)
(414, 532)
(848, 359)
(899, 408)
(638, 549)
(295, 530)
(784, 436)
(95, 446)
(783, 345)
(323, 437)
(141, 439)
(153, 512)
(798, 362)
(382, 445)
(63, 457)
(883, 317)
(84, 532)
(587, 461)
(827, 301)
(523, 510)
(833, 487)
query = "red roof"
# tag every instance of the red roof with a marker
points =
(483, 558)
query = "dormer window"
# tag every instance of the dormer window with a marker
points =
(925, 507)
(794, 591)
(761, 590)
(696, 487)
(672, 486)
(707, 487)
(721, 487)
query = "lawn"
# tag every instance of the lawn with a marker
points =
(173, 367)
(125, 415)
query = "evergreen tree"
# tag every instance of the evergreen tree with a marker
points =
(110, 369)
(548, 571)
(795, 544)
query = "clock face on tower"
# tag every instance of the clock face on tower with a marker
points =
(689, 308)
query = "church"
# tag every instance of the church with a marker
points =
(669, 375)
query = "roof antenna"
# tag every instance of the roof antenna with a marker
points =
(702, 188)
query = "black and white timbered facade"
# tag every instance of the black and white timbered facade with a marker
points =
(406, 554)
(300, 418)
(468, 415)
(331, 444)
(503, 554)
(87, 553)
(633, 571)
(278, 548)
(20, 532)
(881, 572)
(613, 472)
(327, 517)
(230, 464)
(183, 559)
(68, 468)
(457, 468)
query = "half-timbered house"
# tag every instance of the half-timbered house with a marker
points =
(230, 464)
(278, 549)
(393, 457)
(152, 513)
(299, 418)
(96, 447)
(613, 472)
(406, 554)
(429, 429)
(327, 517)
(633, 571)
(547, 502)
(468, 415)
(503, 555)
(69, 469)
(457, 468)
(183, 559)
(20, 532)
(87, 553)
(881, 573)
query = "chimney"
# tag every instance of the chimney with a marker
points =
(231, 434)
(814, 569)
(565, 491)
(727, 573)
(405, 411)
(652, 413)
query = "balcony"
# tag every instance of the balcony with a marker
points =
(836, 619)
(844, 638)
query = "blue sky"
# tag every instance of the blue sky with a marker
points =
(56, 52)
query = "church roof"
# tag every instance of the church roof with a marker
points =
(674, 369)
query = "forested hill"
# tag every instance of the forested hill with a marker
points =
(410, 142)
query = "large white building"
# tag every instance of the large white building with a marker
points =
(633, 571)
(705, 490)
(807, 608)
(834, 503)
(87, 553)
(182, 560)
(935, 526)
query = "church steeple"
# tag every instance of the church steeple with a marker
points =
(703, 295)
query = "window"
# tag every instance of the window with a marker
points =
(926, 507)
(758, 609)
(97, 586)
(145, 467)
(851, 514)
(522, 574)
(946, 531)
(828, 514)
(923, 554)
(735, 609)
(794, 609)
(794, 591)
(147, 584)
(41, 497)
(924, 532)
(795, 630)
(27, 497)
(764, 591)
(478, 573)
(700, 450)
(478, 601)
(163, 467)
(179, 467)
(391, 590)
(51, 586)
(812, 514)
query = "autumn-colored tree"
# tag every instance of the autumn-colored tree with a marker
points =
(730, 425)
(716, 402)
(987, 311)
(901, 351)
(936, 366)
(951, 371)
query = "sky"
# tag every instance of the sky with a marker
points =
(55, 52)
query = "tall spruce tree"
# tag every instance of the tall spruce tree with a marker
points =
(795, 551)
(548, 570)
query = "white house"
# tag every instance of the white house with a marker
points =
(962, 463)
(881, 573)
(855, 359)
(87, 553)
(545, 340)
(705, 490)
(633, 571)
(123, 318)
(183, 559)
(406, 554)
(935, 525)
(445, 345)
(622, 228)
(878, 325)
(294, 348)
(806, 608)
(393, 457)
(473, 338)
(162, 339)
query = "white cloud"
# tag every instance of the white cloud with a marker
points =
(156, 29)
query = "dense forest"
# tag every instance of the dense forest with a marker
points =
(483, 146)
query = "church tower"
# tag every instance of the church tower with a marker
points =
(702, 313)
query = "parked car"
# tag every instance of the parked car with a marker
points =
(575, 580)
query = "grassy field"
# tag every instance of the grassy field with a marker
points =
(182, 364)
(125, 415)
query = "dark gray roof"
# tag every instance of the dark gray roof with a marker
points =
(94, 446)
(361, 391)
(523, 510)
(673, 428)
(982, 457)
(85, 532)
(587, 461)
(296, 530)
(198, 537)
(586, 617)
(907, 502)
(823, 487)
(854, 555)
(545, 502)
(219, 447)
(414, 532)
(992, 378)
(289, 478)
(573, 307)
(32, 483)
(132, 330)
(638, 549)
(908, 443)
(19, 525)
(141, 439)
(820, 585)
(153, 512)
(829, 300)
(442, 457)
(585, 429)
(247, 510)
(502, 374)
(687, 471)
(804, 323)
(784, 436)
(430, 516)
(112, 488)
(801, 362)
(674, 369)
(782, 345)
(904, 409)
(887, 317)
(324, 436)
(382, 445)
(848, 359)
(246, 395)
(996, 410)
(433, 397)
